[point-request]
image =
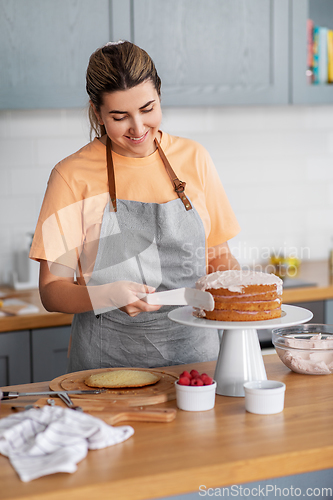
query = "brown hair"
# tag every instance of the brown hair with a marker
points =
(117, 66)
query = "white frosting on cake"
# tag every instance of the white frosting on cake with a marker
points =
(235, 280)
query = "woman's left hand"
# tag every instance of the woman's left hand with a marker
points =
(220, 258)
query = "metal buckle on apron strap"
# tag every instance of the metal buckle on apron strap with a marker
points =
(178, 184)
(180, 190)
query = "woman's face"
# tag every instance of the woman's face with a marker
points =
(132, 118)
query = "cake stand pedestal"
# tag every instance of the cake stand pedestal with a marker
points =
(240, 359)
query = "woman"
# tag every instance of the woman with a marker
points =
(117, 223)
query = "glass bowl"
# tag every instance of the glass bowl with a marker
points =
(306, 349)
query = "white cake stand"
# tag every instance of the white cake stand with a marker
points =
(240, 359)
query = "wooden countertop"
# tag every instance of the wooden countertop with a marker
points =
(220, 447)
(42, 319)
(313, 271)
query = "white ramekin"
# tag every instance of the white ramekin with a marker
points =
(264, 397)
(195, 398)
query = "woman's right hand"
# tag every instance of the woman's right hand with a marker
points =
(59, 293)
(127, 296)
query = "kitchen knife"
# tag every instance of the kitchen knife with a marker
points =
(13, 394)
(182, 297)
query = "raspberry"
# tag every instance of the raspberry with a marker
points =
(196, 381)
(206, 379)
(194, 378)
(184, 381)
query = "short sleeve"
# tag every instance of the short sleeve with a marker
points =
(223, 222)
(55, 239)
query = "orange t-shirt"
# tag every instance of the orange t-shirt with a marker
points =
(77, 193)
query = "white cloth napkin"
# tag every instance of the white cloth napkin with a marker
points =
(18, 307)
(43, 441)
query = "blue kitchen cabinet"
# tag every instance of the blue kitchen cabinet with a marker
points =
(226, 52)
(329, 312)
(45, 48)
(211, 52)
(207, 52)
(322, 310)
(15, 358)
(317, 307)
(49, 348)
(33, 355)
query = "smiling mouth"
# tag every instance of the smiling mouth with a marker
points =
(137, 140)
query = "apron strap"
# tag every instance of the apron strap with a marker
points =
(178, 185)
(111, 176)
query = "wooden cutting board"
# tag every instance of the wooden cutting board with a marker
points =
(163, 390)
(113, 414)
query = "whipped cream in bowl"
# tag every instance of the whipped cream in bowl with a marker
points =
(305, 349)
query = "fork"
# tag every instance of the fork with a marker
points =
(67, 400)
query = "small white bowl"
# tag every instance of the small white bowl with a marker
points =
(264, 397)
(195, 398)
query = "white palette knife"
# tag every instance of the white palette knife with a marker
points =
(182, 297)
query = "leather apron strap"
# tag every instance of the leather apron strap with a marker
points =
(111, 177)
(178, 185)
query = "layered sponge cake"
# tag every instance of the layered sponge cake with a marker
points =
(242, 295)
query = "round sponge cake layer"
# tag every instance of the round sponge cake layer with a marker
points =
(224, 315)
(243, 295)
(122, 378)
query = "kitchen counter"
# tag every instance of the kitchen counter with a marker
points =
(314, 272)
(42, 319)
(310, 271)
(220, 447)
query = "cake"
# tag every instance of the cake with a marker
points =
(242, 295)
(122, 379)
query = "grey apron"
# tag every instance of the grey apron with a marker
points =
(161, 245)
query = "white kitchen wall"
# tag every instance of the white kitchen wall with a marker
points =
(276, 164)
